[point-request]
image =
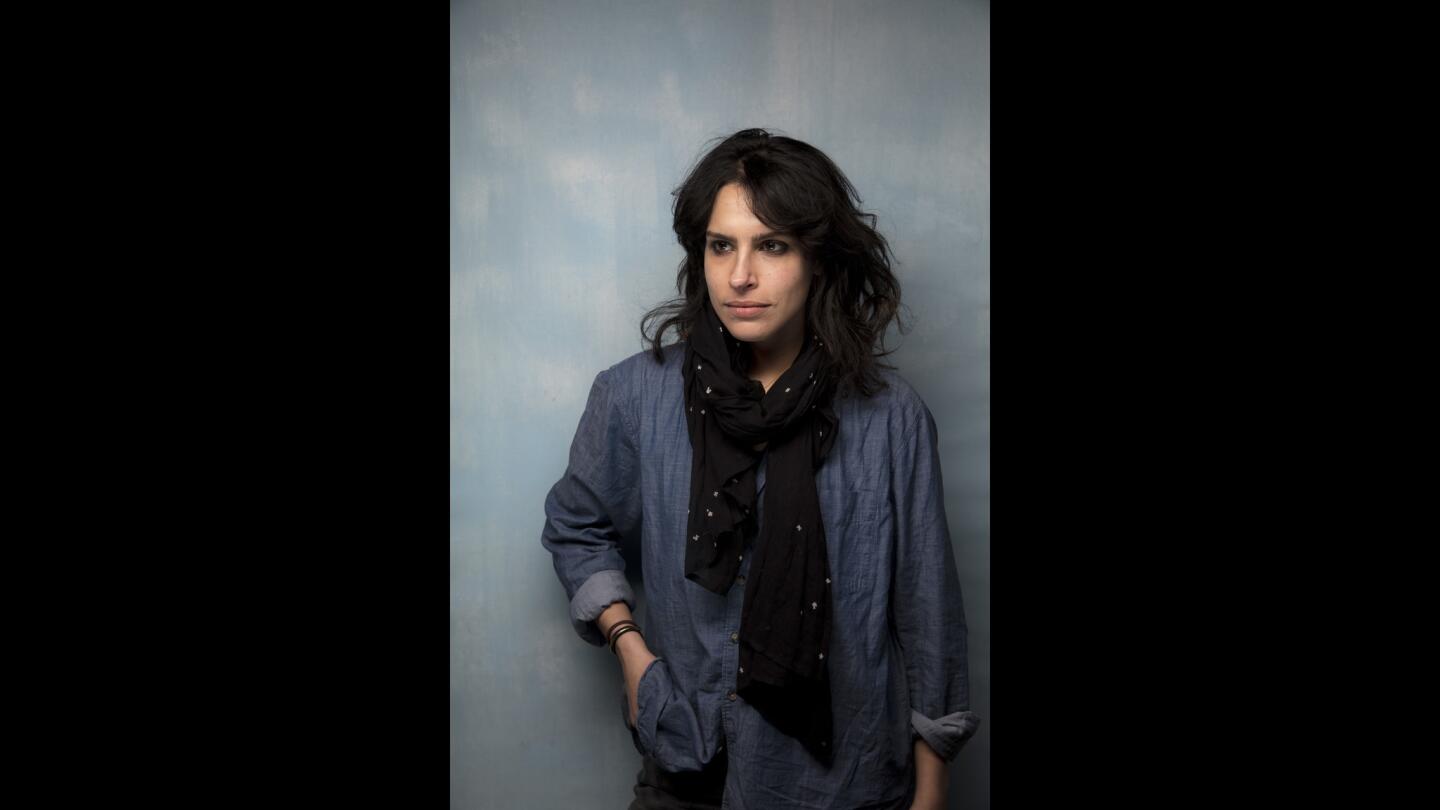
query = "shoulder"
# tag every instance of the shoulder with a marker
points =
(635, 383)
(641, 368)
(898, 403)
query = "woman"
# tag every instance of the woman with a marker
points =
(804, 643)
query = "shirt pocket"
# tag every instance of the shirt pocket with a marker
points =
(852, 540)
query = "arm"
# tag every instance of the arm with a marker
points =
(926, 606)
(589, 510)
(932, 778)
(593, 505)
(634, 654)
(581, 532)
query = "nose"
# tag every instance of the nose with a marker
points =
(740, 275)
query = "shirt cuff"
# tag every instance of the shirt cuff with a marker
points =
(946, 735)
(601, 590)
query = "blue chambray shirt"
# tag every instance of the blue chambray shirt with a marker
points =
(897, 656)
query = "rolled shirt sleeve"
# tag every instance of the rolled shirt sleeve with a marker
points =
(592, 507)
(926, 604)
(600, 591)
(945, 735)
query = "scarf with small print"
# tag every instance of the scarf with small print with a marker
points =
(785, 622)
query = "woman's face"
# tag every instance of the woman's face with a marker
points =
(747, 263)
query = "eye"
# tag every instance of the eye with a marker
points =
(775, 246)
(719, 246)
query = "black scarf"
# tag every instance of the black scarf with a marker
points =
(785, 623)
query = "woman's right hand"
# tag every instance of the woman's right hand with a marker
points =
(635, 657)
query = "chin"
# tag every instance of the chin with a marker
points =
(748, 333)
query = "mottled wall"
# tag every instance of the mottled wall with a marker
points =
(570, 123)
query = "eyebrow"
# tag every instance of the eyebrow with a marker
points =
(762, 237)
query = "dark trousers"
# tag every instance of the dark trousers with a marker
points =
(658, 789)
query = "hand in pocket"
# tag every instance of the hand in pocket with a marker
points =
(635, 658)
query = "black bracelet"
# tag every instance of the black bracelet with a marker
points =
(610, 634)
(627, 628)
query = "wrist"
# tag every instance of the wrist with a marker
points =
(617, 631)
(614, 615)
(631, 646)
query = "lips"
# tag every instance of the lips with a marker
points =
(746, 311)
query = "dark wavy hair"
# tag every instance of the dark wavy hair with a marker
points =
(793, 188)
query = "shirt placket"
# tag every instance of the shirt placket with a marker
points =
(735, 603)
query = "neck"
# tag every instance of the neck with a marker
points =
(768, 362)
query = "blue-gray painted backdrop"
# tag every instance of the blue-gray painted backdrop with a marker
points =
(570, 124)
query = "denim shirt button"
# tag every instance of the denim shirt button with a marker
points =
(732, 696)
(734, 637)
